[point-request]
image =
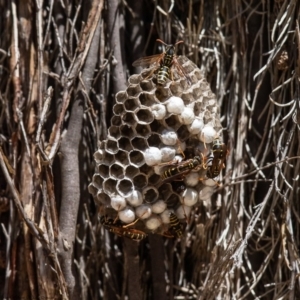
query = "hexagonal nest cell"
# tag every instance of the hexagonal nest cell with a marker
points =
(158, 148)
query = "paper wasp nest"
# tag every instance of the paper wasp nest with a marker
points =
(151, 127)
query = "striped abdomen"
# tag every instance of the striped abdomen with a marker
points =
(219, 152)
(118, 229)
(175, 225)
(134, 234)
(165, 65)
(163, 74)
(182, 168)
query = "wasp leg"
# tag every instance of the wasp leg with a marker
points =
(203, 165)
(169, 163)
(116, 218)
(180, 149)
(151, 73)
(203, 141)
(180, 178)
(167, 234)
(181, 71)
(184, 213)
(171, 75)
(135, 221)
(130, 224)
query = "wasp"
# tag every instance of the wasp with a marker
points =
(175, 225)
(175, 229)
(163, 63)
(119, 229)
(219, 155)
(183, 168)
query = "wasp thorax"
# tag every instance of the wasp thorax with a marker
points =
(162, 150)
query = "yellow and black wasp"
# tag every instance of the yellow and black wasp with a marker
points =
(163, 63)
(182, 168)
(219, 155)
(175, 225)
(119, 229)
(175, 229)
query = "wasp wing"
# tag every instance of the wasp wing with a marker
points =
(181, 71)
(176, 177)
(148, 60)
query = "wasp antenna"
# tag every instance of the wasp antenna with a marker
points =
(179, 42)
(158, 40)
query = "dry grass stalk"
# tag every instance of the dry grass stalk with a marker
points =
(56, 95)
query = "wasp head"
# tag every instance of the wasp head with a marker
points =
(170, 50)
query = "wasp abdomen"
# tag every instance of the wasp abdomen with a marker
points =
(118, 229)
(175, 225)
(183, 168)
(219, 152)
(163, 74)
